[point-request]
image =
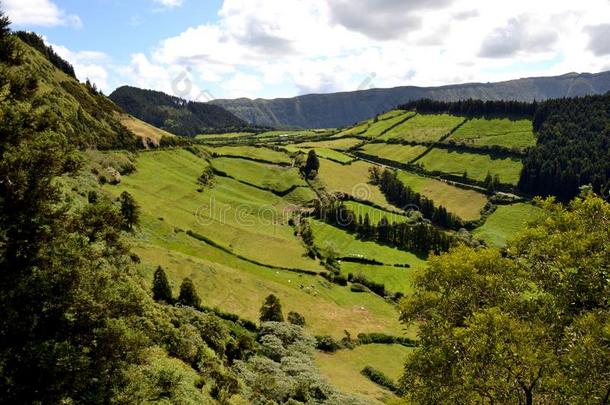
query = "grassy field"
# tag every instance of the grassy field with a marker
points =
(301, 196)
(467, 204)
(395, 279)
(382, 125)
(246, 220)
(424, 128)
(476, 165)
(375, 214)
(505, 222)
(275, 178)
(326, 153)
(287, 134)
(350, 179)
(143, 129)
(343, 368)
(339, 144)
(496, 131)
(391, 114)
(228, 135)
(253, 152)
(357, 129)
(345, 244)
(240, 287)
(395, 152)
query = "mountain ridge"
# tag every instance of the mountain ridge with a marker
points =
(319, 110)
(174, 114)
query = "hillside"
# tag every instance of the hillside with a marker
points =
(174, 114)
(86, 117)
(347, 108)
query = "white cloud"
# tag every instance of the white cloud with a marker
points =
(40, 13)
(169, 3)
(87, 65)
(286, 47)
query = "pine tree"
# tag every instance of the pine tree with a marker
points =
(312, 165)
(130, 210)
(161, 289)
(188, 295)
(271, 311)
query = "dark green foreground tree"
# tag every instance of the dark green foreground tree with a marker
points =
(531, 326)
(66, 299)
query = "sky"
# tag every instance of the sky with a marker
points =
(206, 49)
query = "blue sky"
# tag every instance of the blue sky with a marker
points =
(281, 48)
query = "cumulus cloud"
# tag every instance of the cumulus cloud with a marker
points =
(466, 14)
(43, 13)
(381, 19)
(289, 47)
(87, 65)
(599, 39)
(520, 34)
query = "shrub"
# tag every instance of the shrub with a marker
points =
(326, 343)
(379, 378)
(356, 287)
(296, 319)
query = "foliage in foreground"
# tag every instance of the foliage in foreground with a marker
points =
(286, 372)
(531, 326)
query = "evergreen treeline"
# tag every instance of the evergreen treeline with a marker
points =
(412, 236)
(404, 197)
(573, 148)
(176, 115)
(471, 107)
(35, 41)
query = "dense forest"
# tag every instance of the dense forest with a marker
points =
(176, 115)
(473, 108)
(573, 148)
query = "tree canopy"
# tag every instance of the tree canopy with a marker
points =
(529, 325)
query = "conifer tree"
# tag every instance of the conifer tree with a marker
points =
(130, 210)
(271, 311)
(188, 295)
(312, 165)
(161, 289)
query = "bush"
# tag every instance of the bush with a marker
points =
(296, 319)
(356, 287)
(379, 378)
(326, 343)
(382, 338)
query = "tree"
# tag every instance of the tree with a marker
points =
(68, 304)
(296, 319)
(271, 311)
(523, 326)
(188, 294)
(312, 165)
(7, 42)
(161, 289)
(130, 210)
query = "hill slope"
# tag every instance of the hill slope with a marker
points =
(174, 114)
(84, 115)
(339, 109)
